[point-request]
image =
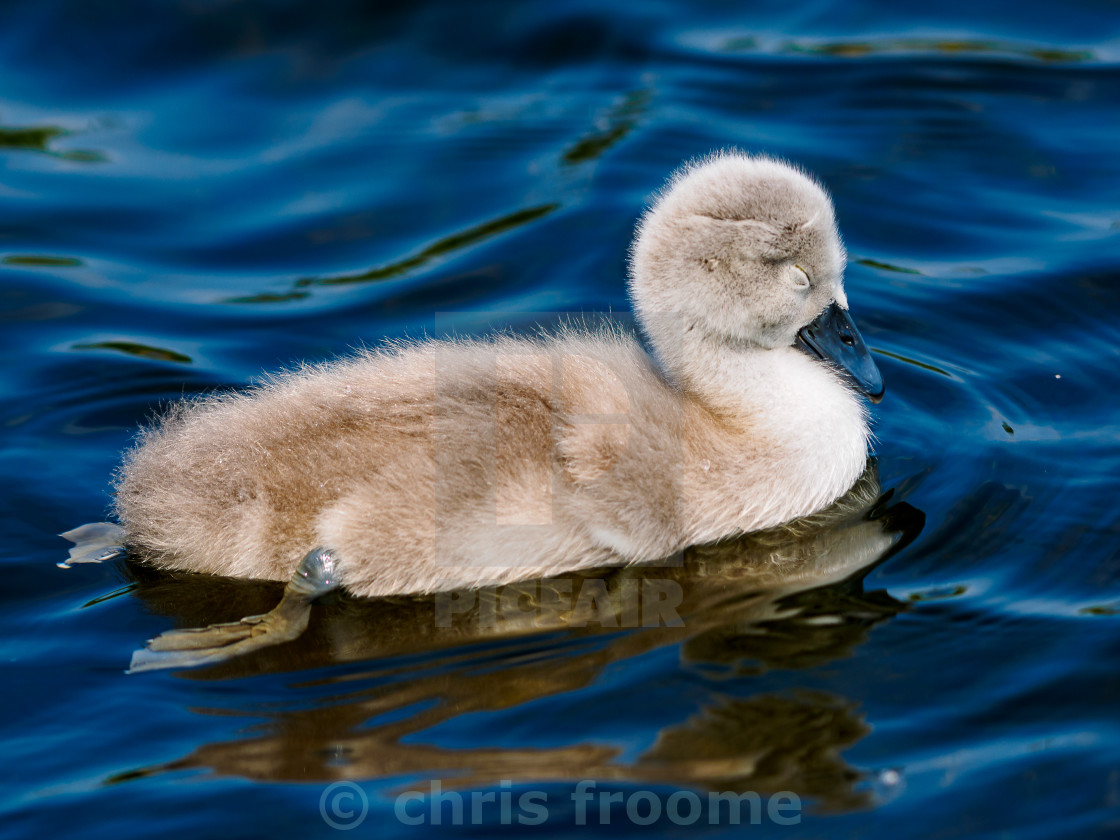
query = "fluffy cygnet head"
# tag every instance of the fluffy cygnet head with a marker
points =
(737, 252)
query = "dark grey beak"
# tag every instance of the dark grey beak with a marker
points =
(834, 338)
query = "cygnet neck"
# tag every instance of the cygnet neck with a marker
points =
(740, 379)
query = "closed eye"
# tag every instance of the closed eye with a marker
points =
(800, 277)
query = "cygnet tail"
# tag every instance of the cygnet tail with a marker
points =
(94, 542)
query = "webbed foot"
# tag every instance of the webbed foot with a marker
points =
(95, 542)
(315, 576)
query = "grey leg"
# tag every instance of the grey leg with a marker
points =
(315, 576)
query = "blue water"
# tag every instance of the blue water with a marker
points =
(192, 193)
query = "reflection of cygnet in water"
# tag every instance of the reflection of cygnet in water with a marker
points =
(791, 597)
(727, 585)
(745, 579)
(448, 464)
